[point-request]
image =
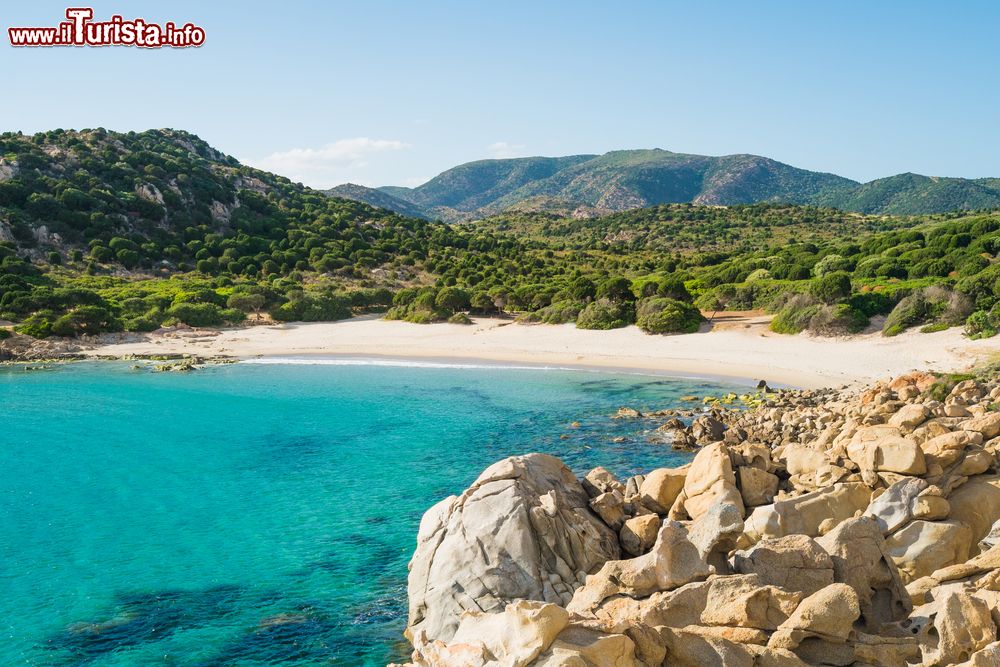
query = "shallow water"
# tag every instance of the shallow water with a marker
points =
(256, 514)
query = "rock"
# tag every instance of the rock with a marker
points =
(794, 563)
(627, 413)
(710, 480)
(962, 625)
(581, 646)
(992, 538)
(690, 649)
(523, 530)
(806, 513)
(715, 533)
(757, 487)
(611, 508)
(945, 449)
(727, 601)
(661, 487)
(923, 547)
(600, 480)
(802, 460)
(909, 417)
(895, 506)
(884, 449)
(706, 429)
(931, 508)
(987, 657)
(517, 635)
(828, 614)
(639, 534)
(988, 425)
(976, 503)
(673, 562)
(861, 560)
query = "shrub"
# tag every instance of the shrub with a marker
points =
(604, 314)
(4, 334)
(934, 305)
(459, 318)
(794, 317)
(452, 298)
(831, 287)
(982, 324)
(615, 289)
(830, 264)
(196, 314)
(663, 316)
(38, 325)
(837, 320)
(85, 320)
(871, 303)
(759, 274)
(558, 312)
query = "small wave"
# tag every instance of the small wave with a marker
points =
(499, 365)
(399, 363)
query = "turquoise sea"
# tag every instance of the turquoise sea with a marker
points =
(262, 514)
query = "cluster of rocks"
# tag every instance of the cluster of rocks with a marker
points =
(822, 528)
(18, 347)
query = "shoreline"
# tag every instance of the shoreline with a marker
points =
(742, 350)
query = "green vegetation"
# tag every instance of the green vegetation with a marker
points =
(131, 232)
(632, 179)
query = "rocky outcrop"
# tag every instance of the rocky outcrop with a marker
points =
(821, 528)
(523, 531)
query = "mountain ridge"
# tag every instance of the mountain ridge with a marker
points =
(617, 181)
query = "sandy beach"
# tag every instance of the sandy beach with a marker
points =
(738, 347)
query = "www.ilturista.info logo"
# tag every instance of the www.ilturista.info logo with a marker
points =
(81, 30)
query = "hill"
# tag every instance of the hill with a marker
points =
(103, 231)
(624, 180)
(376, 198)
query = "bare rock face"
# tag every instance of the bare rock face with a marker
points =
(884, 449)
(673, 562)
(710, 480)
(794, 563)
(523, 530)
(923, 547)
(661, 487)
(828, 614)
(638, 535)
(861, 560)
(955, 627)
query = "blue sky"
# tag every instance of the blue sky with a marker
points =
(395, 92)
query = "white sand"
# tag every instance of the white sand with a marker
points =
(744, 349)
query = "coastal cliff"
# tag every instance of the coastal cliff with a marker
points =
(854, 527)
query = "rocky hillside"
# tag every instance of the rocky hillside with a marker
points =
(821, 528)
(623, 180)
(376, 198)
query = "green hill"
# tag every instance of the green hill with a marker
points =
(377, 198)
(625, 180)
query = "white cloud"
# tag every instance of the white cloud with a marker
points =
(502, 149)
(414, 181)
(329, 165)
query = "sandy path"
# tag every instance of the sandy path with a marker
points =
(743, 348)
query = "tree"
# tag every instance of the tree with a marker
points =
(831, 287)
(247, 303)
(616, 289)
(583, 289)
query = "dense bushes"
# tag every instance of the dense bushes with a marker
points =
(795, 315)
(664, 316)
(605, 314)
(932, 306)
